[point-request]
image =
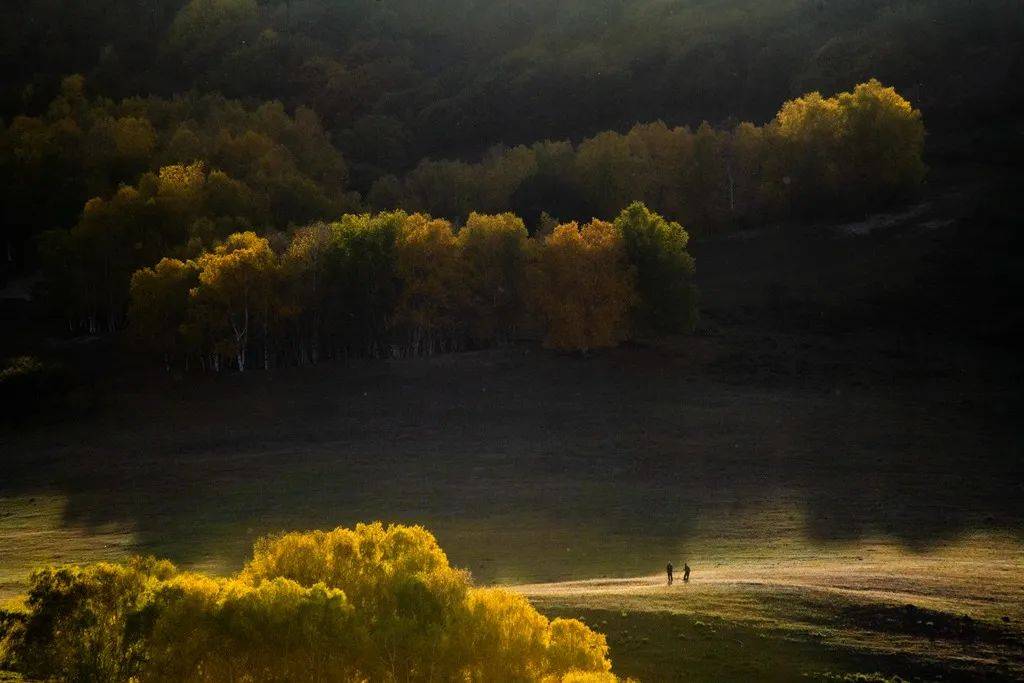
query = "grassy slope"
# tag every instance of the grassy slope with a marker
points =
(818, 466)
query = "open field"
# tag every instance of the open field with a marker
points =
(817, 478)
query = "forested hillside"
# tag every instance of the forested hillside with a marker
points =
(165, 132)
(396, 80)
(384, 84)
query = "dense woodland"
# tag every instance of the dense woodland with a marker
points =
(392, 83)
(219, 183)
(400, 284)
(149, 137)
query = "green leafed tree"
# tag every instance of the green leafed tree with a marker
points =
(493, 253)
(656, 249)
(159, 306)
(364, 282)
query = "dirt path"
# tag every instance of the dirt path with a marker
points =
(960, 606)
(982, 576)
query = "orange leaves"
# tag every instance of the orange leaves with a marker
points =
(583, 287)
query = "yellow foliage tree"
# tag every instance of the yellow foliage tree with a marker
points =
(583, 287)
(375, 602)
(236, 281)
(884, 140)
(427, 263)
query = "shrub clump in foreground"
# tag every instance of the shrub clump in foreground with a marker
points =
(376, 603)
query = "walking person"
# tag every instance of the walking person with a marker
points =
(668, 570)
(686, 573)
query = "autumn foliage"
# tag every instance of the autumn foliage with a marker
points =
(374, 603)
(583, 286)
(398, 284)
(177, 178)
(819, 156)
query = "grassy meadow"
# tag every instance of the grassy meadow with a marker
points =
(849, 500)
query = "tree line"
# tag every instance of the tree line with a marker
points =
(401, 80)
(819, 156)
(400, 284)
(266, 168)
(375, 602)
(205, 168)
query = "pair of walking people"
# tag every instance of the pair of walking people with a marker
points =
(686, 573)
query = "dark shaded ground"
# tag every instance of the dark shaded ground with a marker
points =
(646, 645)
(840, 388)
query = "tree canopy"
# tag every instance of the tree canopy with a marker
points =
(373, 602)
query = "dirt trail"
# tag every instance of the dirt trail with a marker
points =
(977, 578)
(960, 607)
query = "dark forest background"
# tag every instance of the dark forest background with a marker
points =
(137, 130)
(395, 81)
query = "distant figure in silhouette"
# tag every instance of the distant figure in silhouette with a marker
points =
(686, 573)
(668, 570)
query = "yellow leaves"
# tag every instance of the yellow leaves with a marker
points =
(856, 147)
(885, 137)
(574, 647)
(493, 252)
(508, 637)
(216, 629)
(427, 262)
(589, 677)
(809, 117)
(181, 180)
(583, 287)
(371, 603)
(359, 561)
(241, 256)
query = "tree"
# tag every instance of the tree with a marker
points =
(656, 249)
(364, 284)
(882, 146)
(81, 620)
(583, 288)
(373, 602)
(809, 132)
(236, 280)
(745, 167)
(607, 168)
(159, 306)
(304, 268)
(493, 252)
(206, 29)
(427, 264)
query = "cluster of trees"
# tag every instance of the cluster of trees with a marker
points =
(397, 82)
(275, 168)
(190, 171)
(408, 284)
(820, 155)
(400, 80)
(375, 602)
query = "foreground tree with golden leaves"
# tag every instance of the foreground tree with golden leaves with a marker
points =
(375, 602)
